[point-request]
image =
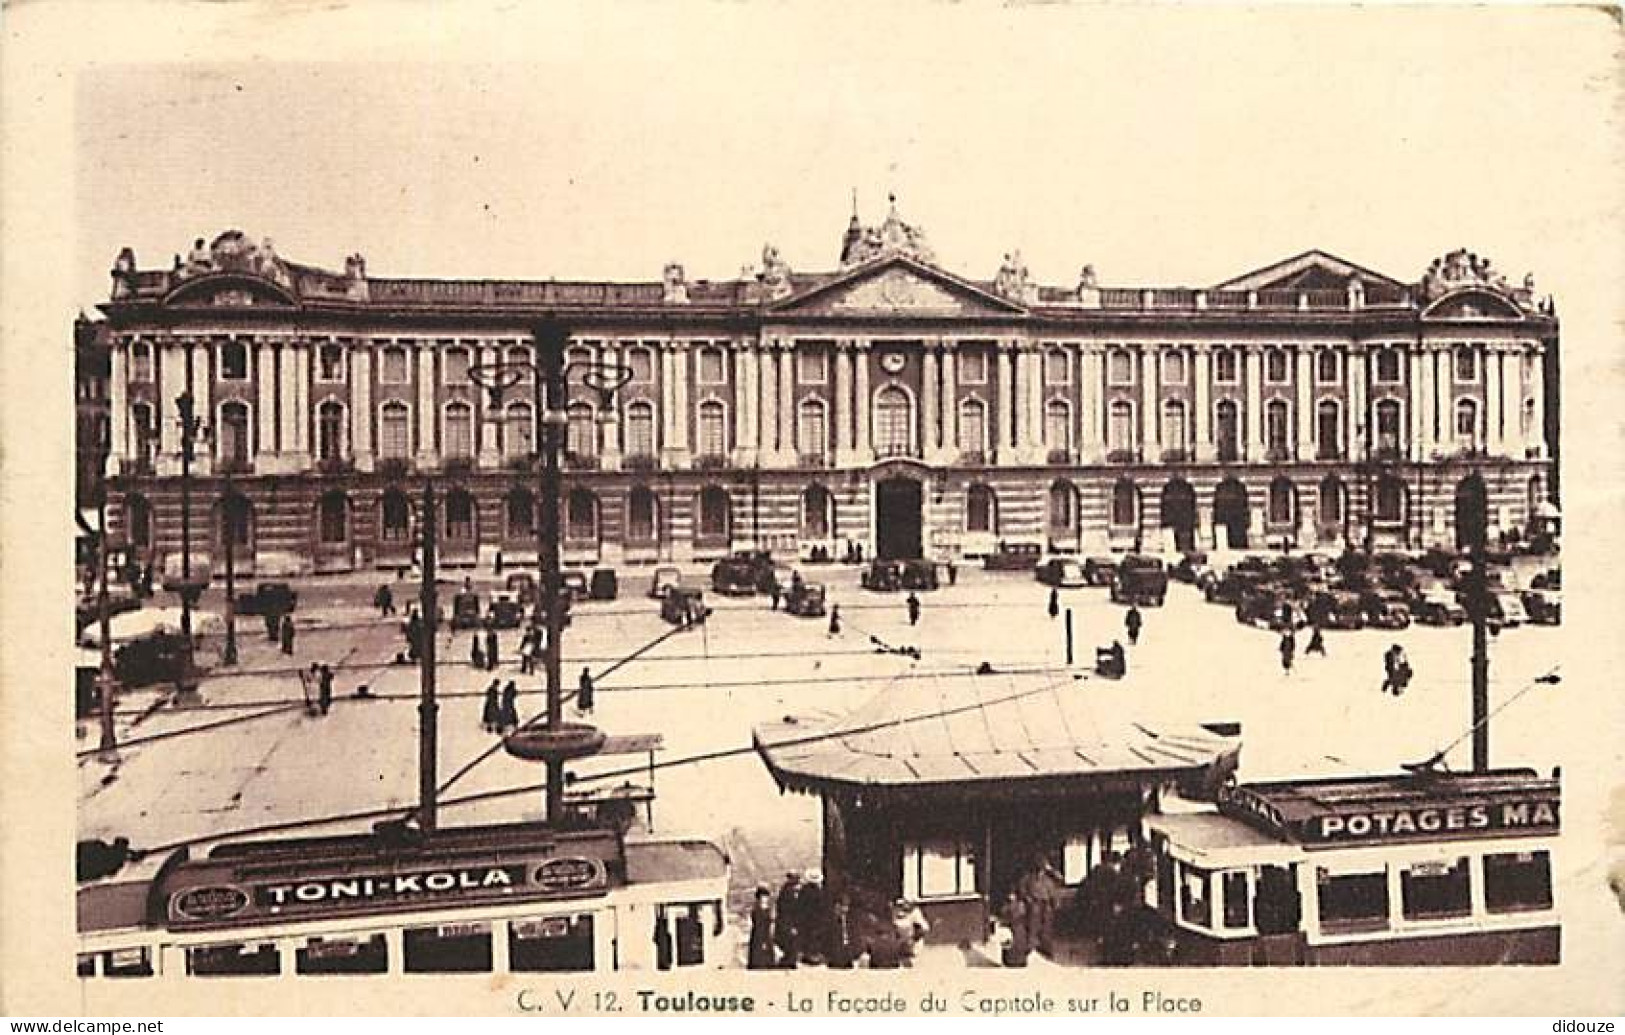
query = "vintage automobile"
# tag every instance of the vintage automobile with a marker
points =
(805, 599)
(1061, 572)
(1504, 610)
(735, 576)
(665, 578)
(1551, 578)
(575, 583)
(465, 611)
(784, 576)
(1013, 557)
(1385, 612)
(1436, 605)
(155, 658)
(1544, 606)
(1140, 580)
(1333, 610)
(1100, 571)
(882, 576)
(605, 584)
(1190, 567)
(506, 612)
(268, 598)
(918, 574)
(1230, 587)
(523, 585)
(683, 605)
(1268, 608)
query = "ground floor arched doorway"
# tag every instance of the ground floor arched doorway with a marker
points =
(898, 518)
(1231, 512)
(1178, 509)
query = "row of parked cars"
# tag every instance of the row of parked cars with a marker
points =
(749, 572)
(1135, 579)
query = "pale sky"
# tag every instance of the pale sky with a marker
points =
(1163, 146)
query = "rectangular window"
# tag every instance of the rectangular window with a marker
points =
(395, 432)
(140, 361)
(711, 366)
(1466, 363)
(1120, 367)
(1057, 367)
(330, 363)
(86, 965)
(1275, 366)
(812, 435)
(551, 945)
(234, 959)
(1436, 890)
(393, 368)
(455, 366)
(972, 427)
(1388, 366)
(1326, 367)
(642, 362)
(812, 365)
(973, 366)
(1225, 366)
(353, 954)
(1195, 896)
(124, 963)
(713, 439)
(1517, 882)
(1237, 907)
(447, 949)
(1353, 901)
(640, 430)
(938, 868)
(1173, 368)
(233, 361)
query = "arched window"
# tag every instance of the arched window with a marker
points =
(1283, 502)
(396, 516)
(981, 509)
(233, 437)
(1329, 429)
(333, 518)
(394, 431)
(715, 519)
(640, 429)
(894, 422)
(459, 440)
(1331, 501)
(330, 430)
(236, 516)
(519, 431)
(713, 429)
(1467, 421)
(1173, 425)
(581, 517)
(1388, 426)
(817, 513)
(1063, 507)
(1125, 504)
(521, 508)
(459, 515)
(1058, 425)
(812, 431)
(973, 427)
(642, 515)
(1227, 429)
(1390, 499)
(1277, 427)
(581, 434)
(146, 432)
(138, 521)
(1120, 426)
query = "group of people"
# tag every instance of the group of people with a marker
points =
(806, 925)
(1026, 919)
(501, 711)
(1396, 668)
(483, 651)
(321, 674)
(279, 629)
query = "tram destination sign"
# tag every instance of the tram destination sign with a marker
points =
(385, 890)
(1377, 822)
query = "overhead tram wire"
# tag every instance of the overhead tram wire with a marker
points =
(1551, 677)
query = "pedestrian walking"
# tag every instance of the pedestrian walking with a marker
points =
(787, 914)
(584, 691)
(1317, 642)
(509, 719)
(491, 647)
(773, 595)
(491, 714)
(1054, 602)
(307, 680)
(1402, 670)
(1132, 623)
(476, 653)
(913, 609)
(287, 634)
(324, 691)
(835, 619)
(953, 574)
(760, 954)
(273, 625)
(1288, 648)
(414, 634)
(384, 600)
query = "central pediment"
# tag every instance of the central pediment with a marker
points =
(898, 286)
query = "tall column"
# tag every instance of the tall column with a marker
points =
(486, 417)
(428, 416)
(265, 381)
(1305, 407)
(1255, 405)
(861, 409)
(1416, 448)
(1494, 432)
(1009, 412)
(744, 403)
(787, 401)
(1150, 426)
(1035, 403)
(302, 407)
(1537, 394)
(118, 405)
(1202, 371)
(1359, 434)
(361, 447)
(930, 397)
(681, 392)
(1090, 397)
(950, 402)
(768, 393)
(287, 405)
(1517, 442)
(841, 412)
(613, 356)
(1427, 402)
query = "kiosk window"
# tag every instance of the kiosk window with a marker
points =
(448, 948)
(234, 959)
(1353, 901)
(1237, 909)
(938, 869)
(1195, 896)
(551, 944)
(1517, 881)
(1434, 890)
(127, 963)
(87, 964)
(361, 954)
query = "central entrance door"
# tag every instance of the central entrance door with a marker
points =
(897, 519)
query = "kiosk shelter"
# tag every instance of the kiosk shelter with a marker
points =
(948, 791)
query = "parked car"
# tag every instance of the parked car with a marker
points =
(506, 611)
(1436, 605)
(784, 576)
(522, 584)
(918, 574)
(1190, 568)
(465, 611)
(1332, 610)
(1260, 606)
(605, 585)
(268, 598)
(1014, 557)
(156, 658)
(1504, 610)
(1544, 606)
(735, 576)
(1551, 578)
(665, 578)
(1140, 580)
(1386, 613)
(575, 584)
(882, 576)
(1230, 587)
(1100, 571)
(1061, 572)
(683, 605)
(805, 599)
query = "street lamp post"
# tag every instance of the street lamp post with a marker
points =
(191, 427)
(229, 513)
(106, 681)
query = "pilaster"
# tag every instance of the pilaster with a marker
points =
(1202, 419)
(361, 444)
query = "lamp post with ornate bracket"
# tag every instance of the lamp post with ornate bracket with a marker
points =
(192, 428)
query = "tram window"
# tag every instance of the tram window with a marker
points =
(1277, 909)
(448, 948)
(233, 959)
(554, 943)
(1196, 896)
(690, 938)
(366, 954)
(1353, 901)
(1517, 881)
(1237, 911)
(87, 964)
(1436, 890)
(938, 869)
(127, 963)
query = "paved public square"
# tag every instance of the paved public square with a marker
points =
(264, 761)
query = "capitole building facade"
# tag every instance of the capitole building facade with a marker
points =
(887, 403)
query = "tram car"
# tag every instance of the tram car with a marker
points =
(516, 898)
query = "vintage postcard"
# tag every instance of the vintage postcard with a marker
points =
(759, 510)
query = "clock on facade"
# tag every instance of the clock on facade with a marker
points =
(893, 362)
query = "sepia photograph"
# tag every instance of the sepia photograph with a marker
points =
(616, 500)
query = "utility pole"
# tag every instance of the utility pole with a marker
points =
(1476, 516)
(105, 679)
(551, 339)
(428, 708)
(228, 515)
(184, 403)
